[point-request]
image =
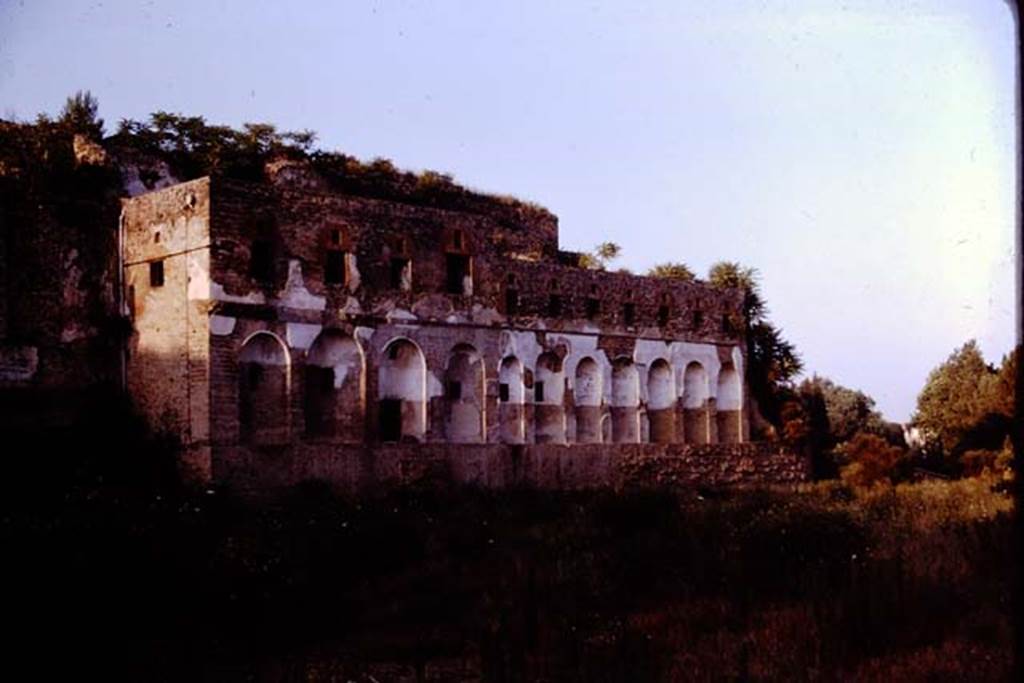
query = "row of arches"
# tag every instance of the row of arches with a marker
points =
(529, 403)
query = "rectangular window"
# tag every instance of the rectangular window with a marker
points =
(397, 278)
(698, 319)
(261, 261)
(593, 308)
(503, 392)
(454, 391)
(629, 314)
(156, 274)
(456, 271)
(663, 316)
(457, 239)
(390, 419)
(334, 268)
(511, 302)
(538, 391)
(554, 306)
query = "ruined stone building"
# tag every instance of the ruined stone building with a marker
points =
(283, 331)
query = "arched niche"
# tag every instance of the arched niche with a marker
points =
(511, 397)
(464, 395)
(729, 405)
(661, 402)
(334, 387)
(402, 391)
(587, 395)
(695, 404)
(264, 379)
(625, 402)
(548, 399)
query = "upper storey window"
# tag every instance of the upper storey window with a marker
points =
(629, 313)
(261, 260)
(593, 305)
(511, 296)
(698, 320)
(554, 300)
(262, 229)
(336, 255)
(664, 311)
(399, 264)
(458, 264)
(334, 268)
(156, 273)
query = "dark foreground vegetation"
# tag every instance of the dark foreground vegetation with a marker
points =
(116, 570)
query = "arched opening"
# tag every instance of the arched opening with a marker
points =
(729, 405)
(661, 402)
(625, 401)
(464, 395)
(548, 397)
(587, 397)
(511, 396)
(695, 404)
(334, 387)
(402, 387)
(263, 372)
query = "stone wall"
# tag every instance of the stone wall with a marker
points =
(299, 320)
(546, 466)
(59, 330)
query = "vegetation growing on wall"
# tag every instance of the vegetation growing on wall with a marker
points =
(772, 361)
(672, 271)
(601, 256)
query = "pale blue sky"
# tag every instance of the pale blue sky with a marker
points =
(861, 155)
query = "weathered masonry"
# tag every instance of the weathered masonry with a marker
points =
(284, 331)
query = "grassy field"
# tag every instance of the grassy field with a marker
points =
(905, 583)
(112, 568)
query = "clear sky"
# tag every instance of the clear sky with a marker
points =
(861, 155)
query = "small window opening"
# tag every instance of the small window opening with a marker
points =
(156, 274)
(503, 392)
(698, 319)
(555, 305)
(390, 419)
(511, 301)
(454, 390)
(156, 237)
(335, 236)
(334, 268)
(261, 261)
(396, 273)
(457, 268)
(663, 315)
(593, 308)
(538, 391)
(629, 313)
(457, 239)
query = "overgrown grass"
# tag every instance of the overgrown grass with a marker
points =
(129, 575)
